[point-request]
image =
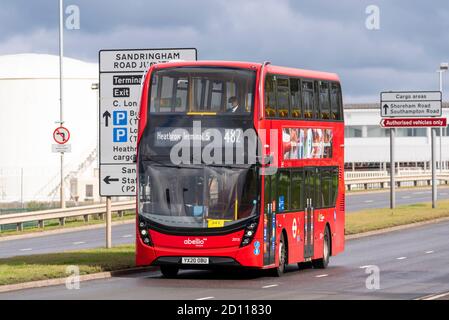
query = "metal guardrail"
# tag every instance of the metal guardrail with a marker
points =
(367, 179)
(62, 214)
(357, 178)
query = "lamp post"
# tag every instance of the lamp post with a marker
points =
(444, 66)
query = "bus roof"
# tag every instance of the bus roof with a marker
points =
(294, 72)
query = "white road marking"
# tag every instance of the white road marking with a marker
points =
(369, 201)
(205, 298)
(434, 296)
(78, 242)
(364, 267)
(26, 249)
(270, 286)
(321, 275)
(430, 251)
(127, 236)
(401, 258)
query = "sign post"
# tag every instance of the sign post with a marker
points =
(61, 136)
(392, 170)
(121, 73)
(411, 109)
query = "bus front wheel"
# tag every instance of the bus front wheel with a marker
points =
(282, 252)
(169, 271)
(323, 262)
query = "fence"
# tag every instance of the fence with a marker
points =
(41, 216)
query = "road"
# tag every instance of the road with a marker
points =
(412, 263)
(371, 200)
(125, 233)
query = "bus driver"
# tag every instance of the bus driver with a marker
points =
(235, 107)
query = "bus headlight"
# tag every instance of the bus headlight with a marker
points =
(249, 233)
(144, 234)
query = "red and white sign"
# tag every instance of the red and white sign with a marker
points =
(413, 122)
(61, 135)
(294, 228)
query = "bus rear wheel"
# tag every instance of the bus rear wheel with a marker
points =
(282, 252)
(324, 261)
(169, 271)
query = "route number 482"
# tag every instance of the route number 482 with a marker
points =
(233, 135)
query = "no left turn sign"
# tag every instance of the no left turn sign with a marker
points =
(61, 135)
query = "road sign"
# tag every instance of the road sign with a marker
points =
(410, 104)
(61, 148)
(61, 135)
(413, 122)
(121, 73)
(118, 180)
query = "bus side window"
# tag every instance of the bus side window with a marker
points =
(326, 187)
(283, 191)
(295, 98)
(324, 100)
(318, 201)
(282, 95)
(334, 186)
(297, 190)
(270, 96)
(308, 98)
(336, 107)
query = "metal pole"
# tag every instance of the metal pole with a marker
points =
(392, 170)
(61, 96)
(108, 223)
(441, 129)
(434, 162)
(21, 187)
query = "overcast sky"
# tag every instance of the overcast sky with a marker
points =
(331, 35)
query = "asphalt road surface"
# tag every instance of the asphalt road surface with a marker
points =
(371, 200)
(412, 263)
(123, 234)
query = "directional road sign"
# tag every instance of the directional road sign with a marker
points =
(415, 104)
(121, 73)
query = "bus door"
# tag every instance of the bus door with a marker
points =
(309, 190)
(269, 231)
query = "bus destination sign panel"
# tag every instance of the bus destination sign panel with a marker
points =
(121, 74)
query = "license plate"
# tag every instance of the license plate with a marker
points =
(195, 260)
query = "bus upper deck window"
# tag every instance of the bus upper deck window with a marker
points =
(308, 99)
(295, 98)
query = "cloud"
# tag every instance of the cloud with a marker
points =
(315, 34)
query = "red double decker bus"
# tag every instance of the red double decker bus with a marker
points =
(239, 164)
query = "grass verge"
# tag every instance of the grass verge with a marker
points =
(376, 219)
(50, 266)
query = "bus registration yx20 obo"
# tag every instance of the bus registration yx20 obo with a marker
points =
(239, 165)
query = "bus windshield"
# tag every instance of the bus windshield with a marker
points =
(197, 196)
(202, 89)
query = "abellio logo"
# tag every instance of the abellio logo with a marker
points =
(195, 242)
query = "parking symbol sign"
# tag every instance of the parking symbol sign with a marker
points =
(120, 118)
(120, 135)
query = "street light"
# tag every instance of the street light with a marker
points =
(444, 66)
